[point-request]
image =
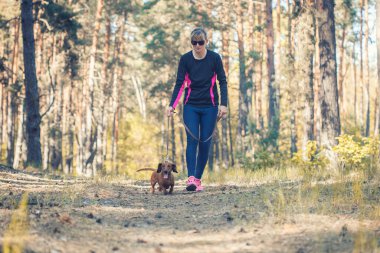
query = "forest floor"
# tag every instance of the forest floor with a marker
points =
(55, 214)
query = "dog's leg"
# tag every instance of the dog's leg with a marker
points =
(165, 191)
(171, 188)
(152, 187)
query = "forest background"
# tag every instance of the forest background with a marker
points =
(302, 78)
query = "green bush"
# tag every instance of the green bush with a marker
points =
(356, 152)
(310, 159)
(263, 159)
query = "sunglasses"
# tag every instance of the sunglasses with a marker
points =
(200, 42)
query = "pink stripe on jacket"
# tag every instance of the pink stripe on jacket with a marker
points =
(186, 82)
(213, 79)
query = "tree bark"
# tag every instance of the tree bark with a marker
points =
(55, 132)
(328, 77)
(115, 91)
(341, 64)
(273, 96)
(11, 96)
(230, 134)
(291, 83)
(33, 119)
(70, 93)
(225, 53)
(305, 51)
(183, 149)
(377, 124)
(278, 46)
(366, 69)
(354, 78)
(361, 71)
(259, 71)
(243, 131)
(251, 77)
(102, 118)
(89, 105)
(317, 87)
(173, 143)
(20, 136)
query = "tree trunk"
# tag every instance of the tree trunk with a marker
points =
(183, 153)
(210, 161)
(115, 91)
(341, 65)
(251, 68)
(183, 149)
(291, 83)
(48, 128)
(55, 132)
(230, 135)
(20, 136)
(3, 118)
(259, 71)
(225, 53)
(115, 138)
(278, 47)
(39, 49)
(328, 79)
(173, 143)
(89, 105)
(209, 9)
(354, 78)
(377, 125)
(305, 51)
(317, 87)
(243, 98)
(2, 88)
(273, 96)
(79, 170)
(71, 127)
(33, 120)
(102, 117)
(366, 69)
(11, 97)
(361, 73)
(216, 141)
(293, 133)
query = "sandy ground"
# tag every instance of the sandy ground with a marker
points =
(66, 215)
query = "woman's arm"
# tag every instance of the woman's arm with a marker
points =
(179, 84)
(222, 82)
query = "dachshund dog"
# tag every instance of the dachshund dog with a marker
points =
(163, 176)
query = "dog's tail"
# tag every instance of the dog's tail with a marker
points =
(150, 169)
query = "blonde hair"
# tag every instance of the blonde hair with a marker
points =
(197, 33)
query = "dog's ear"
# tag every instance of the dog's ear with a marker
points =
(174, 168)
(159, 168)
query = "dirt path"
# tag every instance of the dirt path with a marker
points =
(87, 216)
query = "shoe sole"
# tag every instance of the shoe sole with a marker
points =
(191, 187)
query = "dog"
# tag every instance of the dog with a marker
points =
(163, 176)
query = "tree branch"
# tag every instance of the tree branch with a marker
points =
(5, 22)
(46, 23)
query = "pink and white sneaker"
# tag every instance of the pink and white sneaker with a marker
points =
(190, 184)
(198, 183)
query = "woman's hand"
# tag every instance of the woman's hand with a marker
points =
(170, 111)
(222, 114)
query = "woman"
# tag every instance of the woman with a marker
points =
(198, 70)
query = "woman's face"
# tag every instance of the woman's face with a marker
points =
(199, 44)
